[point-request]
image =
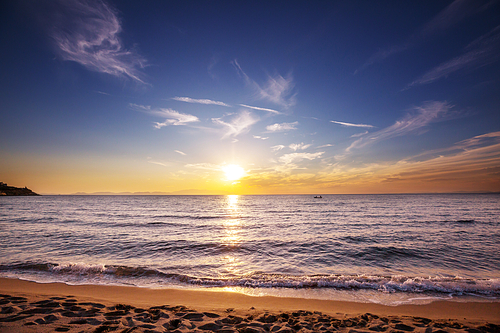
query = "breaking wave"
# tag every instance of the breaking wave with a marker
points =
(106, 274)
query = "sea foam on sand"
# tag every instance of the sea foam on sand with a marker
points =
(55, 307)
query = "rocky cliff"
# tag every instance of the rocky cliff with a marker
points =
(11, 190)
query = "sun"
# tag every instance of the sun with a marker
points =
(233, 172)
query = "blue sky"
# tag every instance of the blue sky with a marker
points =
(304, 96)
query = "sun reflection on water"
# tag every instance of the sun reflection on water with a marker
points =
(232, 228)
(232, 201)
(233, 214)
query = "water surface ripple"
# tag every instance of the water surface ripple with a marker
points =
(436, 244)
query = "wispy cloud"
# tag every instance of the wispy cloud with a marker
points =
(158, 163)
(277, 147)
(172, 117)
(102, 93)
(277, 89)
(481, 52)
(443, 21)
(210, 68)
(204, 166)
(420, 117)
(180, 152)
(86, 32)
(474, 161)
(260, 137)
(283, 127)
(200, 101)
(448, 17)
(324, 146)
(261, 109)
(150, 160)
(175, 118)
(479, 141)
(297, 157)
(359, 134)
(240, 123)
(241, 73)
(350, 124)
(298, 146)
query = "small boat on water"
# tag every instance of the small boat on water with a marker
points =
(318, 197)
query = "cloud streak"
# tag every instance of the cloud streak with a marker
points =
(86, 32)
(277, 147)
(239, 124)
(481, 52)
(297, 157)
(474, 161)
(172, 117)
(278, 89)
(200, 101)
(175, 118)
(350, 124)
(283, 127)
(420, 117)
(359, 134)
(260, 109)
(298, 146)
(443, 21)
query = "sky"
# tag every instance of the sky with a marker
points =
(250, 97)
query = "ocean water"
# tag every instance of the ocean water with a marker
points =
(388, 249)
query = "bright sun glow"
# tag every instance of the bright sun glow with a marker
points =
(233, 172)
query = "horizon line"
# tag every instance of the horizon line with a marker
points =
(280, 194)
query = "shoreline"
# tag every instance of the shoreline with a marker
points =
(453, 315)
(208, 299)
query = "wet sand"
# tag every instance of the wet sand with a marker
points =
(56, 307)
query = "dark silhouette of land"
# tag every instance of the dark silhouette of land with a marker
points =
(11, 190)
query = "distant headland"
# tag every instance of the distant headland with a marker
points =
(11, 190)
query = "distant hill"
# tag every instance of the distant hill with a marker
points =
(11, 190)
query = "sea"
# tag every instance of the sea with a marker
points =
(387, 249)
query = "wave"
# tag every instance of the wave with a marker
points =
(465, 221)
(197, 217)
(455, 286)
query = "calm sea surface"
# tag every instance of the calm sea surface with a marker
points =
(388, 249)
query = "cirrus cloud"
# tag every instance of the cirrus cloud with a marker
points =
(172, 117)
(277, 147)
(277, 89)
(420, 117)
(239, 124)
(260, 109)
(297, 157)
(200, 101)
(351, 125)
(298, 146)
(86, 32)
(283, 127)
(481, 52)
(450, 16)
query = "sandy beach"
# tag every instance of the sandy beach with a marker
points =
(55, 307)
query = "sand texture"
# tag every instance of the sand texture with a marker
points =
(30, 311)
